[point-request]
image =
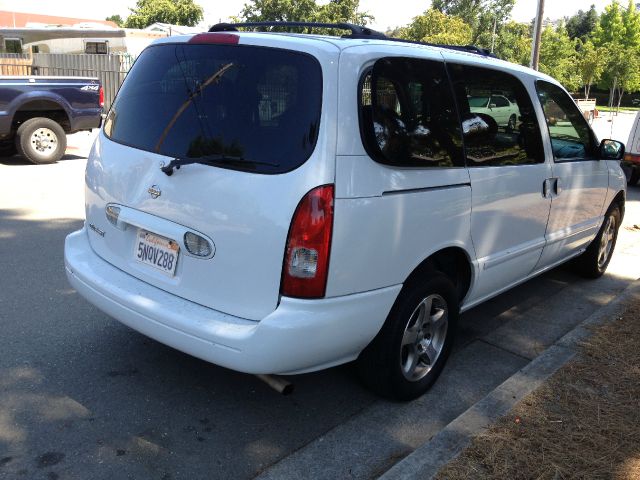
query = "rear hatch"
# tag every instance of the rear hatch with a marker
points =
(249, 116)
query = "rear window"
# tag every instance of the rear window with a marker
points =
(259, 106)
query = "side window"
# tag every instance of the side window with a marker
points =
(96, 47)
(12, 45)
(408, 116)
(571, 137)
(500, 101)
(499, 124)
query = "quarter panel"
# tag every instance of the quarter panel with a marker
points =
(379, 241)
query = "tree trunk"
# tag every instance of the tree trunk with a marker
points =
(587, 89)
(612, 92)
(620, 94)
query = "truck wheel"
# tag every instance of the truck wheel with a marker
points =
(409, 352)
(7, 148)
(631, 172)
(595, 259)
(41, 140)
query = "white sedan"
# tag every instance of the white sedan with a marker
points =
(500, 108)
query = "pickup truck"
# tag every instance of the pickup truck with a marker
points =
(631, 162)
(36, 114)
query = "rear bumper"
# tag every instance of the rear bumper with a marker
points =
(299, 336)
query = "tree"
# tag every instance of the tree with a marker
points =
(175, 12)
(279, 11)
(621, 73)
(582, 24)
(117, 19)
(611, 29)
(335, 11)
(591, 63)
(631, 22)
(481, 15)
(619, 33)
(343, 11)
(436, 27)
(514, 43)
(558, 56)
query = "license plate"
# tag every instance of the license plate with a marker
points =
(157, 251)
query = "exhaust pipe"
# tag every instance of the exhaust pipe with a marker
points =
(279, 384)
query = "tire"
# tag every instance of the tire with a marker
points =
(7, 148)
(41, 140)
(631, 172)
(511, 125)
(595, 259)
(404, 360)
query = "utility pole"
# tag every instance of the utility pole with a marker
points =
(493, 34)
(537, 34)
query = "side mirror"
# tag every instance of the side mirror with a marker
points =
(611, 150)
(492, 105)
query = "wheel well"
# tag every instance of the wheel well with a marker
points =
(453, 262)
(619, 200)
(41, 108)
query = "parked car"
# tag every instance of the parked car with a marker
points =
(631, 161)
(295, 202)
(498, 107)
(36, 114)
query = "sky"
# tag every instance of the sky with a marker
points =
(387, 13)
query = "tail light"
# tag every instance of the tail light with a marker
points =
(306, 260)
(630, 157)
(101, 96)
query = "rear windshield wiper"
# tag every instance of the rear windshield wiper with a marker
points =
(215, 160)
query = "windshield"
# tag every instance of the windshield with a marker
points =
(478, 102)
(258, 105)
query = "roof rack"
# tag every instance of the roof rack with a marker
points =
(357, 31)
(460, 48)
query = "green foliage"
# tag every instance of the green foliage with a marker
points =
(621, 71)
(334, 11)
(117, 19)
(343, 11)
(590, 63)
(479, 14)
(279, 11)
(582, 24)
(619, 34)
(436, 27)
(631, 22)
(176, 12)
(558, 56)
(513, 44)
(611, 29)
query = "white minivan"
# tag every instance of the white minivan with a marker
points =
(279, 203)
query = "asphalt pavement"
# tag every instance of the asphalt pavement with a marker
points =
(82, 396)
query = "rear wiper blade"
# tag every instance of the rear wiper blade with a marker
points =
(216, 160)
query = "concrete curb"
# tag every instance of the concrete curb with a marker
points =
(431, 456)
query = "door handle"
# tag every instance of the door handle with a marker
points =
(557, 187)
(551, 187)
